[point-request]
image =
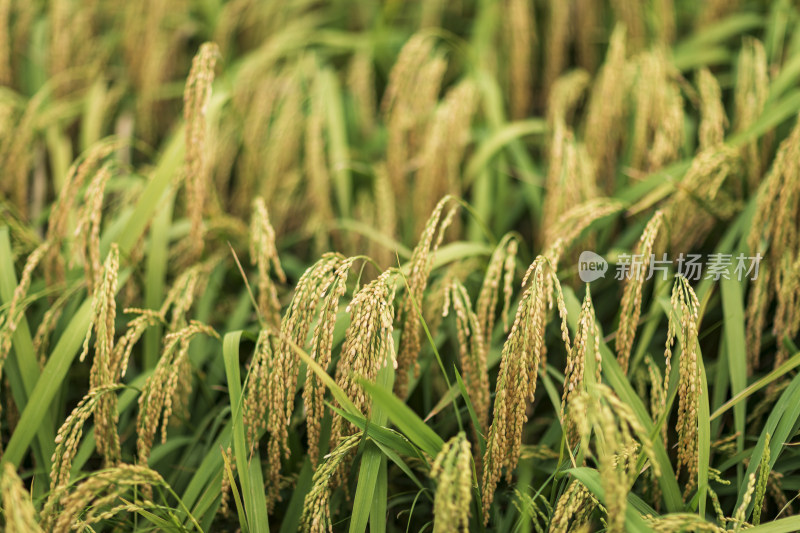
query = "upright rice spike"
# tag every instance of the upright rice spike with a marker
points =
(196, 98)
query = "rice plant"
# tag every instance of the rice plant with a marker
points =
(514, 266)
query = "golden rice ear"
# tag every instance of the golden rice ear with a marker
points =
(712, 112)
(417, 281)
(316, 516)
(18, 510)
(631, 306)
(608, 429)
(452, 470)
(282, 367)
(441, 155)
(574, 509)
(473, 350)
(264, 255)
(166, 388)
(196, 97)
(683, 322)
(368, 347)
(658, 130)
(774, 236)
(750, 97)
(608, 107)
(67, 440)
(321, 348)
(587, 337)
(519, 21)
(523, 352)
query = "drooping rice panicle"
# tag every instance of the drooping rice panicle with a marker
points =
(196, 97)
(417, 280)
(321, 348)
(18, 509)
(67, 440)
(752, 88)
(166, 388)
(316, 516)
(522, 355)
(585, 344)
(607, 109)
(452, 470)
(281, 375)
(265, 256)
(106, 368)
(573, 509)
(88, 229)
(472, 350)
(631, 305)
(103, 495)
(620, 441)
(683, 320)
(368, 347)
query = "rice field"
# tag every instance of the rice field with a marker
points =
(509, 266)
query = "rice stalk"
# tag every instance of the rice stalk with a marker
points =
(501, 269)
